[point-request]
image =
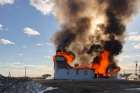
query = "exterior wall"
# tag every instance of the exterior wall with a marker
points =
(74, 74)
(63, 71)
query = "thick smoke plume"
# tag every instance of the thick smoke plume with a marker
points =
(89, 27)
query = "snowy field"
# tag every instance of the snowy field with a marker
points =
(26, 85)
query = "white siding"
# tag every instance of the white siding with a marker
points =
(73, 74)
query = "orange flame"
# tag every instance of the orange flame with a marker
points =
(101, 68)
(67, 55)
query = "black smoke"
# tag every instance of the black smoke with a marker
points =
(82, 34)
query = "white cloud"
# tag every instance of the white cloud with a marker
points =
(137, 46)
(138, 55)
(18, 63)
(39, 45)
(126, 56)
(20, 54)
(48, 57)
(49, 44)
(6, 42)
(1, 25)
(4, 2)
(31, 32)
(133, 33)
(2, 28)
(24, 46)
(44, 6)
(134, 37)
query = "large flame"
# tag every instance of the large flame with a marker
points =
(101, 67)
(67, 55)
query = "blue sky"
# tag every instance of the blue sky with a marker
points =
(26, 30)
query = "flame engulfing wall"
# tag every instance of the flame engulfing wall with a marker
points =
(92, 27)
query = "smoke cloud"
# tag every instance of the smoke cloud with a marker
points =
(89, 27)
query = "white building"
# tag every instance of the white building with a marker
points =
(63, 71)
(133, 77)
(74, 74)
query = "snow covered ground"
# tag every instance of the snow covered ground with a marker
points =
(27, 85)
(12, 85)
(47, 89)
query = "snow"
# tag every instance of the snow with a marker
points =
(133, 89)
(23, 85)
(47, 89)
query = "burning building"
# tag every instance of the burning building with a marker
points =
(63, 69)
(66, 69)
(91, 36)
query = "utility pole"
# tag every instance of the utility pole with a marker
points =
(25, 71)
(139, 73)
(136, 68)
(9, 74)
